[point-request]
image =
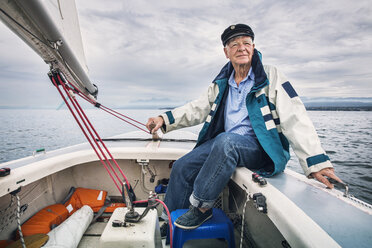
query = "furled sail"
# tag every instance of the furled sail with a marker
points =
(51, 28)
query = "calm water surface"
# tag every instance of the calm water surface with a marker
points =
(345, 135)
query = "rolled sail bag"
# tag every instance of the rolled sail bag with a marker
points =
(69, 233)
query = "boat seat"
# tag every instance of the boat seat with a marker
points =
(219, 226)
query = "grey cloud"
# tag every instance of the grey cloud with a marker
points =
(154, 50)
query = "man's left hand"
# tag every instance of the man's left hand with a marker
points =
(329, 172)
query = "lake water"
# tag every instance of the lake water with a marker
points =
(345, 135)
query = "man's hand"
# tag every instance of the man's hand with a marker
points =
(154, 123)
(329, 172)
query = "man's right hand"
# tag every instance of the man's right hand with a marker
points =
(329, 172)
(154, 123)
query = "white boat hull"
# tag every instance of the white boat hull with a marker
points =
(300, 212)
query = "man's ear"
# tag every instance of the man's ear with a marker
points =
(225, 51)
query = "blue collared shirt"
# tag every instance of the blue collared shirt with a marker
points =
(236, 113)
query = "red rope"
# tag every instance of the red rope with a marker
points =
(169, 222)
(82, 129)
(111, 111)
(88, 126)
(123, 115)
(105, 109)
(80, 110)
(107, 150)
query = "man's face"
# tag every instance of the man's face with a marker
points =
(239, 50)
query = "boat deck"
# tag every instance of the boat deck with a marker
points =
(328, 208)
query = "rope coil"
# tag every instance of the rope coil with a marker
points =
(19, 221)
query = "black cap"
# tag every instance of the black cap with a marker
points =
(235, 31)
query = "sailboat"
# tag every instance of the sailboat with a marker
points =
(287, 210)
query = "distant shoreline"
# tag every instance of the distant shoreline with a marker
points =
(363, 108)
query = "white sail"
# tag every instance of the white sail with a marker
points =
(64, 14)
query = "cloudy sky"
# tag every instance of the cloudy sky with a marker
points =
(165, 53)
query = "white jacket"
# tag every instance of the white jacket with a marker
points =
(277, 115)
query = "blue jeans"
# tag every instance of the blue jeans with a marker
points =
(200, 176)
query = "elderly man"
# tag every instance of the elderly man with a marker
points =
(251, 114)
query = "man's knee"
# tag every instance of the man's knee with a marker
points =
(177, 167)
(225, 142)
(182, 170)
